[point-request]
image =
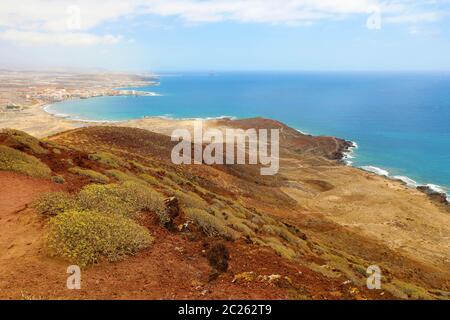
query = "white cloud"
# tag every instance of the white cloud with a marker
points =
(65, 39)
(33, 19)
(414, 18)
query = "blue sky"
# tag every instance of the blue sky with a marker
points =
(177, 35)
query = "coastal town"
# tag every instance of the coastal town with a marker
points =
(20, 90)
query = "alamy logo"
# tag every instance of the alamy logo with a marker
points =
(374, 20)
(74, 280)
(234, 141)
(374, 279)
(73, 21)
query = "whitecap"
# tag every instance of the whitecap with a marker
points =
(409, 182)
(376, 170)
(436, 188)
(303, 132)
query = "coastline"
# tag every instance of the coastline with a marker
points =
(432, 190)
(346, 155)
(41, 122)
(311, 176)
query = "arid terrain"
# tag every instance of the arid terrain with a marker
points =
(309, 232)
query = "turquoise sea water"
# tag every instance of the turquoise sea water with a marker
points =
(401, 122)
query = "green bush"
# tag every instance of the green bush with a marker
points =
(94, 176)
(88, 237)
(127, 199)
(54, 203)
(210, 224)
(20, 162)
(21, 140)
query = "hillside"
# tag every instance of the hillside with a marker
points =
(217, 232)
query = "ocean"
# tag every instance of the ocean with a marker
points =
(400, 121)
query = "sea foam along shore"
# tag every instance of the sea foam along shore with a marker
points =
(350, 154)
(47, 107)
(408, 181)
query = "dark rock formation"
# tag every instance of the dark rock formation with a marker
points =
(439, 197)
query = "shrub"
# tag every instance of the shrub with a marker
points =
(108, 159)
(218, 257)
(140, 167)
(17, 161)
(58, 179)
(149, 179)
(210, 225)
(54, 203)
(241, 227)
(21, 140)
(127, 199)
(91, 174)
(280, 249)
(176, 178)
(85, 238)
(123, 176)
(282, 233)
(190, 200)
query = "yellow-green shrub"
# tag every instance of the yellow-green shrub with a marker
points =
(20, 162)
(139, 166)
(94, 176)
(190, 200)
(127, 199)
(283, 233)
(87, 237)
(108, 159)
(54, 203)
(149, 179)
(279, 248)
(241, 227)
(210, 224)
(58, 179)
(21, 140)
(123, 176)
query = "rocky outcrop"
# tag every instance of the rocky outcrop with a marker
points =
(439, 197)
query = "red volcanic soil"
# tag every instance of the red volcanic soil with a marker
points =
(175, 267)
(17, 191)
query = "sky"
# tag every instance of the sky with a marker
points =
(226, 35)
